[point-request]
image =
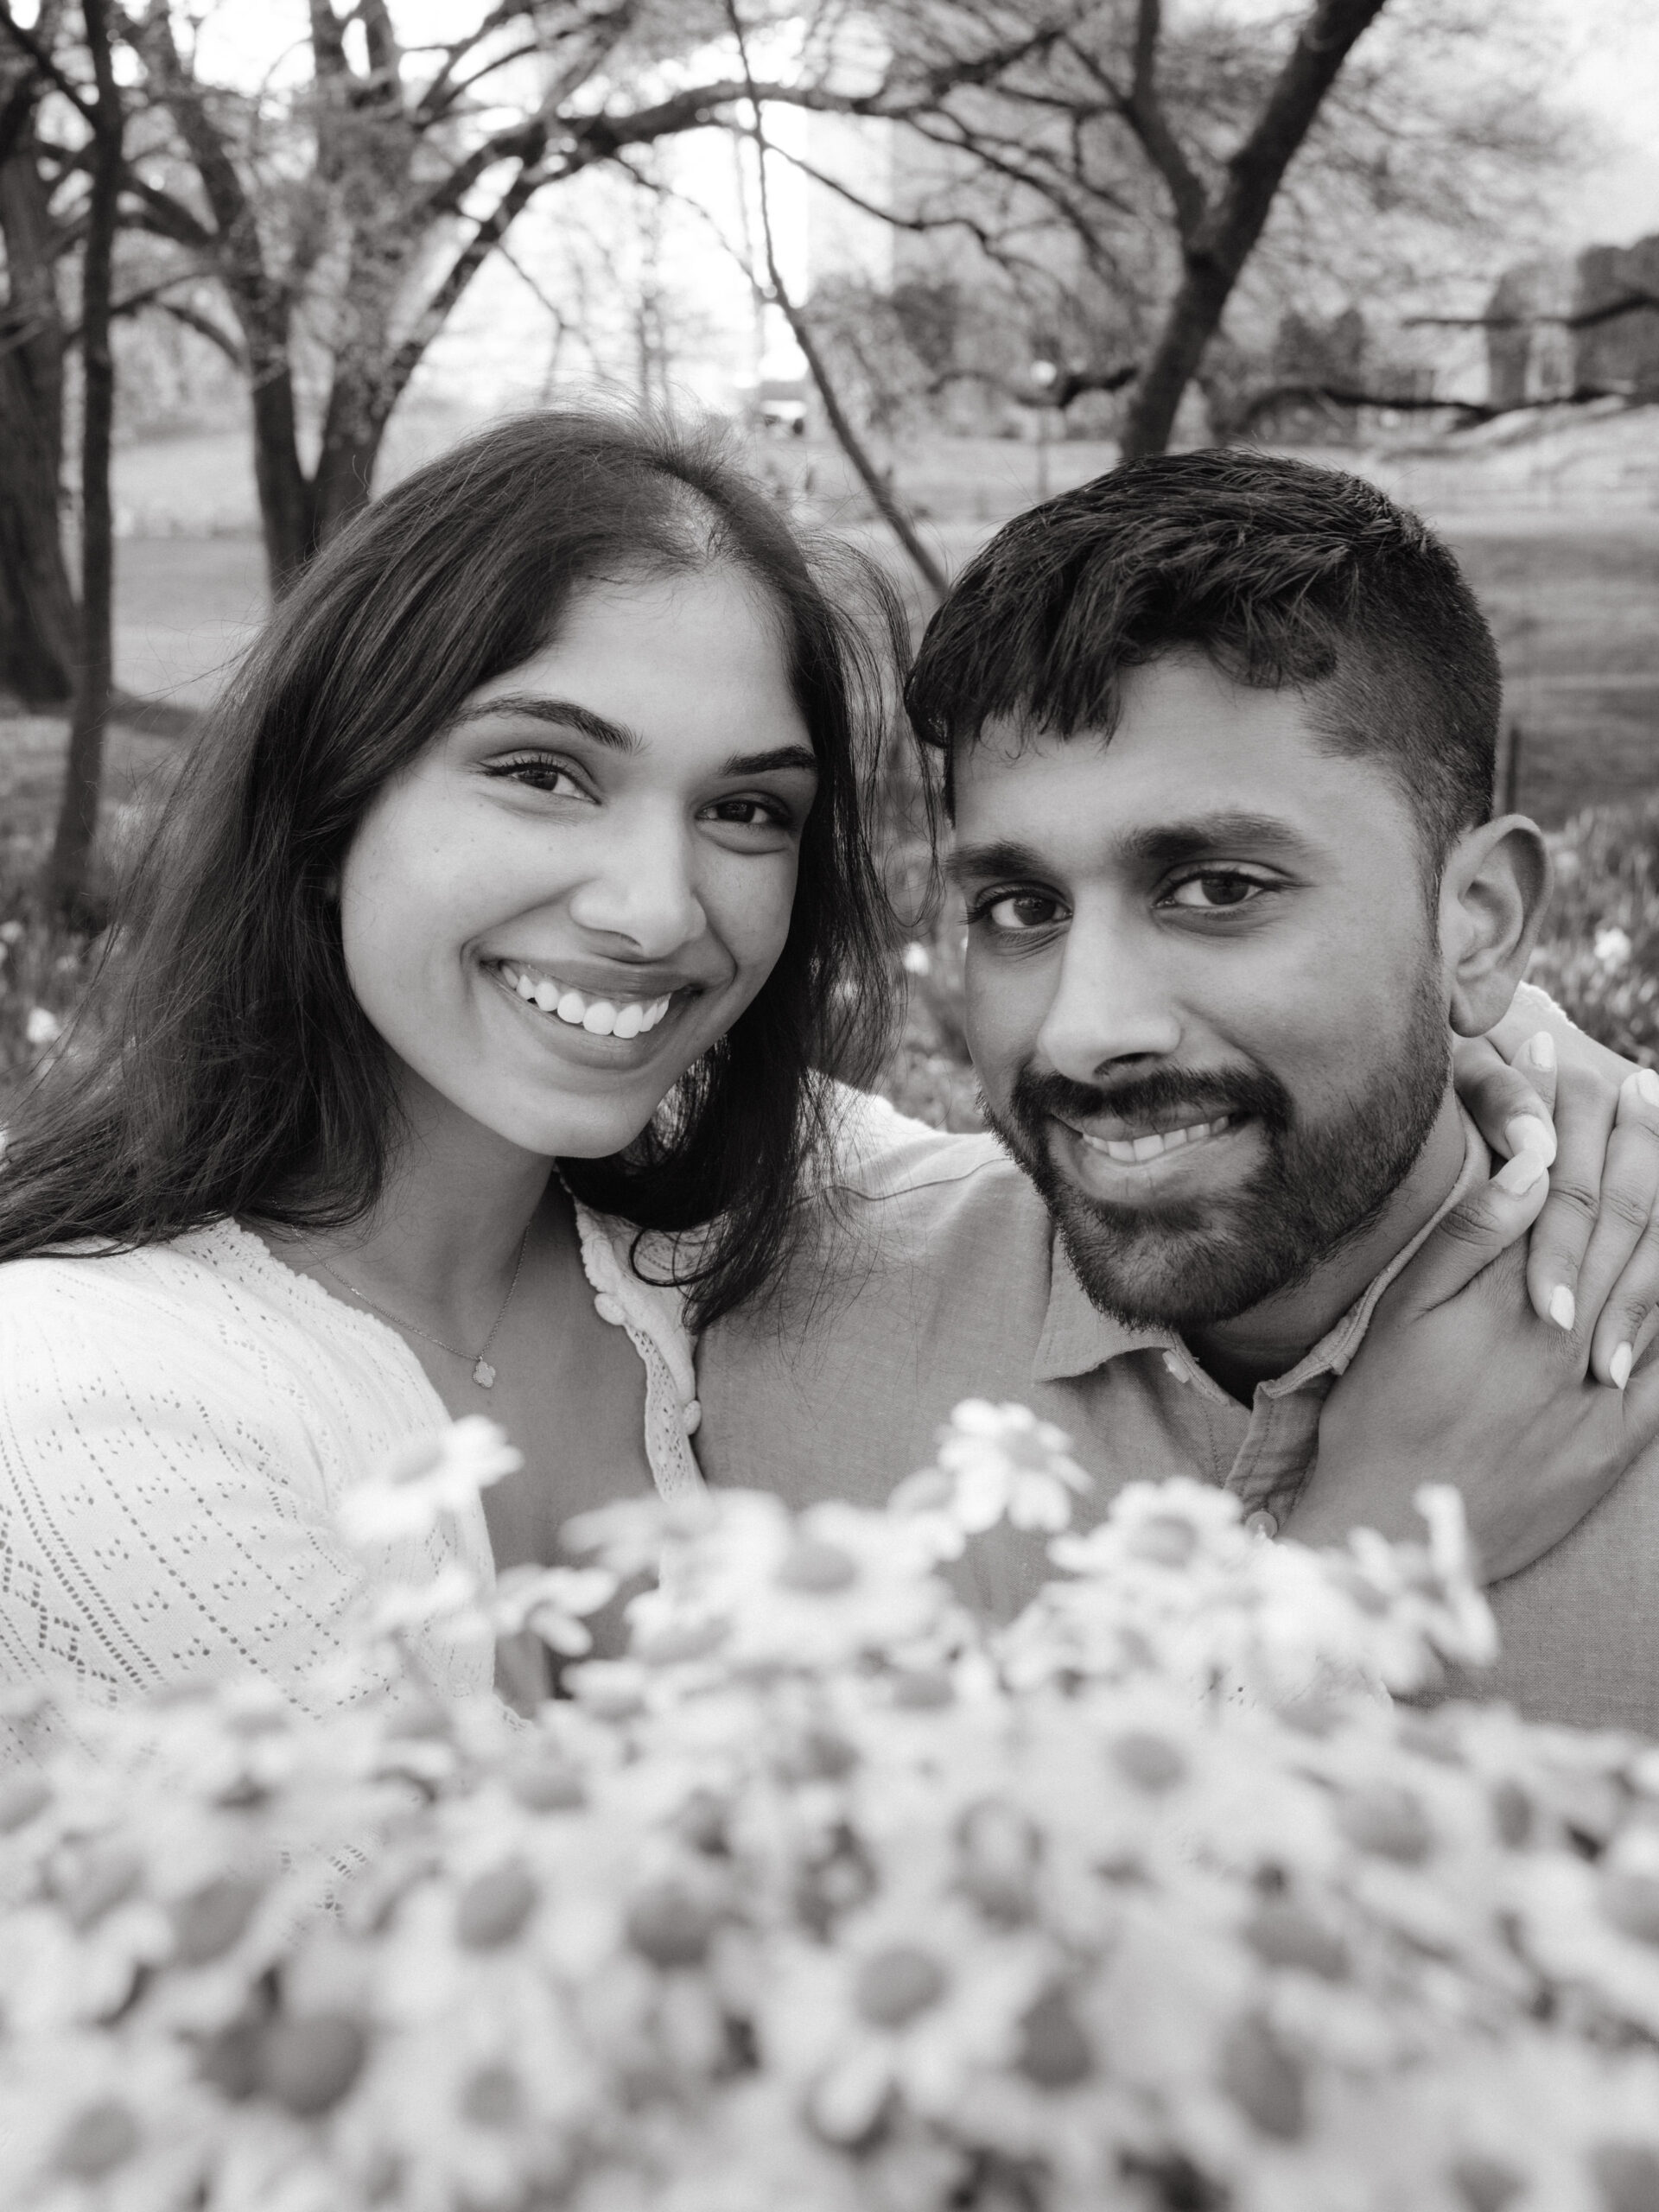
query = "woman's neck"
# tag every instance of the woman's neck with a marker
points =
(447, 1235)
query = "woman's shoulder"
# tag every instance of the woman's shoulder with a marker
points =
(208, 1317)
(193, 1287)
(152, 1295)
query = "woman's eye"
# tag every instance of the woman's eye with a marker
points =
(1019, 912)
(750, 813)
(539, 773)
(1204, 894)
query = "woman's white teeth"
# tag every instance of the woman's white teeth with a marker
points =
(598, 1017)
(1127, 1151)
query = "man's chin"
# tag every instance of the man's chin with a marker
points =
(1159, 1272)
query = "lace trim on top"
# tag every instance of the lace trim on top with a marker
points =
(653, 1315)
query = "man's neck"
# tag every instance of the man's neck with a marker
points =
(1269, 1338)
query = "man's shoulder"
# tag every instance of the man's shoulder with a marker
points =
(883, 1162)
(1579, 1629)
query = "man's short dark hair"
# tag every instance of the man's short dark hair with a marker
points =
(1281, 573)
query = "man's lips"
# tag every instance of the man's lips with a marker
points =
(1133, 1145)
(1130, 1169)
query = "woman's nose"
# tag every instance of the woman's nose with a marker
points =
(643, 888)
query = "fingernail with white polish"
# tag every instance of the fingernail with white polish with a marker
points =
(1647, 1083)
(1563, 1307)
(1619, 1366)
(1520, 1173)
(1530, 1133)
(1540, 1050)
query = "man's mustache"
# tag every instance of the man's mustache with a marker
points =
(1043, 1094)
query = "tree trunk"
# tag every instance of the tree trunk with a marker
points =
(37, 605)
(77, 828)
(1220, 242)
(287, 516)
(351, 432)
(1194, 317)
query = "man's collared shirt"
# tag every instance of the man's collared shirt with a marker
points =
(936, 1275)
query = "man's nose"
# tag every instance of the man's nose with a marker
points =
(1109, 1005)
(642, 887)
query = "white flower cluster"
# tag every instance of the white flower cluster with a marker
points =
(831, 1897)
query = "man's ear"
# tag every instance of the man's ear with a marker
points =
(1493, 896)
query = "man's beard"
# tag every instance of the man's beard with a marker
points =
(1188, 1263)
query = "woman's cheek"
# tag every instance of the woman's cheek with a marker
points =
(757, 899)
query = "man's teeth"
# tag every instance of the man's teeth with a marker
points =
(1127, 1151)
(598, 1017)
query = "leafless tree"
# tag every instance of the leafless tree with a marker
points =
(1124, 174)
(346, 223)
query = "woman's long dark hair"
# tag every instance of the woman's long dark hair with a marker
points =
(227, 1066)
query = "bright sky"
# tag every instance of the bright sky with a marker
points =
(1616, 80)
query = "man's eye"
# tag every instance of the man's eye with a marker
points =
(1204, 894)
(1019, 911)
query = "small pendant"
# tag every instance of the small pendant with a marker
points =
(483, 1373)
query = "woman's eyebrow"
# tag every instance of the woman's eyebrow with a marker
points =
(535, 707)
(761, 764)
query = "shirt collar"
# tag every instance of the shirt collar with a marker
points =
(1078, 1337)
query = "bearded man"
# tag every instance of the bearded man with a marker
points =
(1218, 734)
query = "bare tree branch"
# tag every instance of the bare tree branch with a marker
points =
(851, 444)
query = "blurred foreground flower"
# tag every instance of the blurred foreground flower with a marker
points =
(832, 1897)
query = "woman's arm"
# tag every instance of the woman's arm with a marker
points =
(1593, 1257)
(1458, 1380)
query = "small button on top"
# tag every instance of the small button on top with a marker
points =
(1261, 1522)
(1173, 1362)
(608, 1309)
(692, 1416)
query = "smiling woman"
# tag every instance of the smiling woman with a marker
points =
(514, 907)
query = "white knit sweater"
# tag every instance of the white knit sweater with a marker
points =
(177, 1424)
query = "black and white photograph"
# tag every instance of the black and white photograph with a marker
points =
(828, 1106)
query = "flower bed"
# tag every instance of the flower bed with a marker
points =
(829, 1897)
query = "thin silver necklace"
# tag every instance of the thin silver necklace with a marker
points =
(483, 1373)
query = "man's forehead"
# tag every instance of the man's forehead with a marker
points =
(1189, 747)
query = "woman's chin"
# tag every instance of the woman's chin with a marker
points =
(577, 1128)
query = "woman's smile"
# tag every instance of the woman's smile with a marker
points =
(601, 1014)
(602, 1026)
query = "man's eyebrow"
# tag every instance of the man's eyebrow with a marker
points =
(996, 857)
(1227, 831)
(564, 713)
